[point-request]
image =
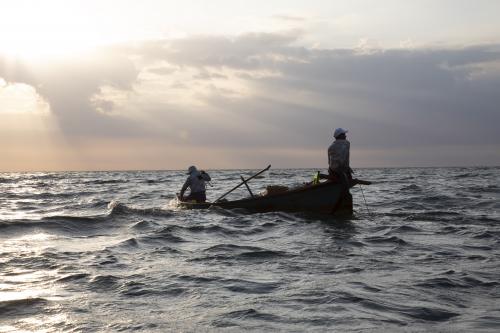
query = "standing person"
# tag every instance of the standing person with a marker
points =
(196, 183)
(338, 157)
(339, 170)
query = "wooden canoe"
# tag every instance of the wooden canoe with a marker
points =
(327, 197)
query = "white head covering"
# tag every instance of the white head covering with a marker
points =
(339, 131)
(191, 169)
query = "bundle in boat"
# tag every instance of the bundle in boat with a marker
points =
(274, 189)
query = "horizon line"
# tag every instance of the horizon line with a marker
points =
(235, 169)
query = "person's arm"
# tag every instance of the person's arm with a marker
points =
(184, 187)
(330, 157)
(348, 154)
(206, 177)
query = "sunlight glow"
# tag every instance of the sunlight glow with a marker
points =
(18, 98)
(49, 40)
(34, 29)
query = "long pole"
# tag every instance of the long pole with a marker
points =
(243, 182)
(248, 187)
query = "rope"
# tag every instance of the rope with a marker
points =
(366, 205)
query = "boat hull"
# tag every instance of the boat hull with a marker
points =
(327, 197)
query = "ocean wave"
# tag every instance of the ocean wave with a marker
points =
(8, 180)
(73, 277)
(105, 181)
(194, 279)
(127, 327)
(411, 188)
(210, 228)
(466, 175)
(442, 282)
(60, 223)
(166, 234)
(33, 195)
(104, 282)
(119, 209)
(231, 248)
(488, 322)
(129, 243)
(250, 256)
(234, 285)
(485, 234)
(366, 287)
(439, 199)
(261, 255)
(246, 314)
(165, 250)
(485, 248)
(427, 313)
(406, 229)
(139, 289)
(108, 259)
(453, 279)
(133, 288)
(482, 189)
(435, 215)
(250, 287)
(23, 306)
(82, 224)
(143, 225)
(389, 240)
(205, 229)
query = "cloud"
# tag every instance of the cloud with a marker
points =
(263, 90)
(388, 97)
(68, 85)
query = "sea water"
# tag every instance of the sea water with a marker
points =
(111, 251)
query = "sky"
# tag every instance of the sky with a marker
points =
(149, 85)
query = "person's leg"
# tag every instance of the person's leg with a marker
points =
(344, 203)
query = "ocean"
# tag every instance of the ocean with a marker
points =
(111, 252)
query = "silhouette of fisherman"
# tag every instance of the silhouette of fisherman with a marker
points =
(196, 182)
